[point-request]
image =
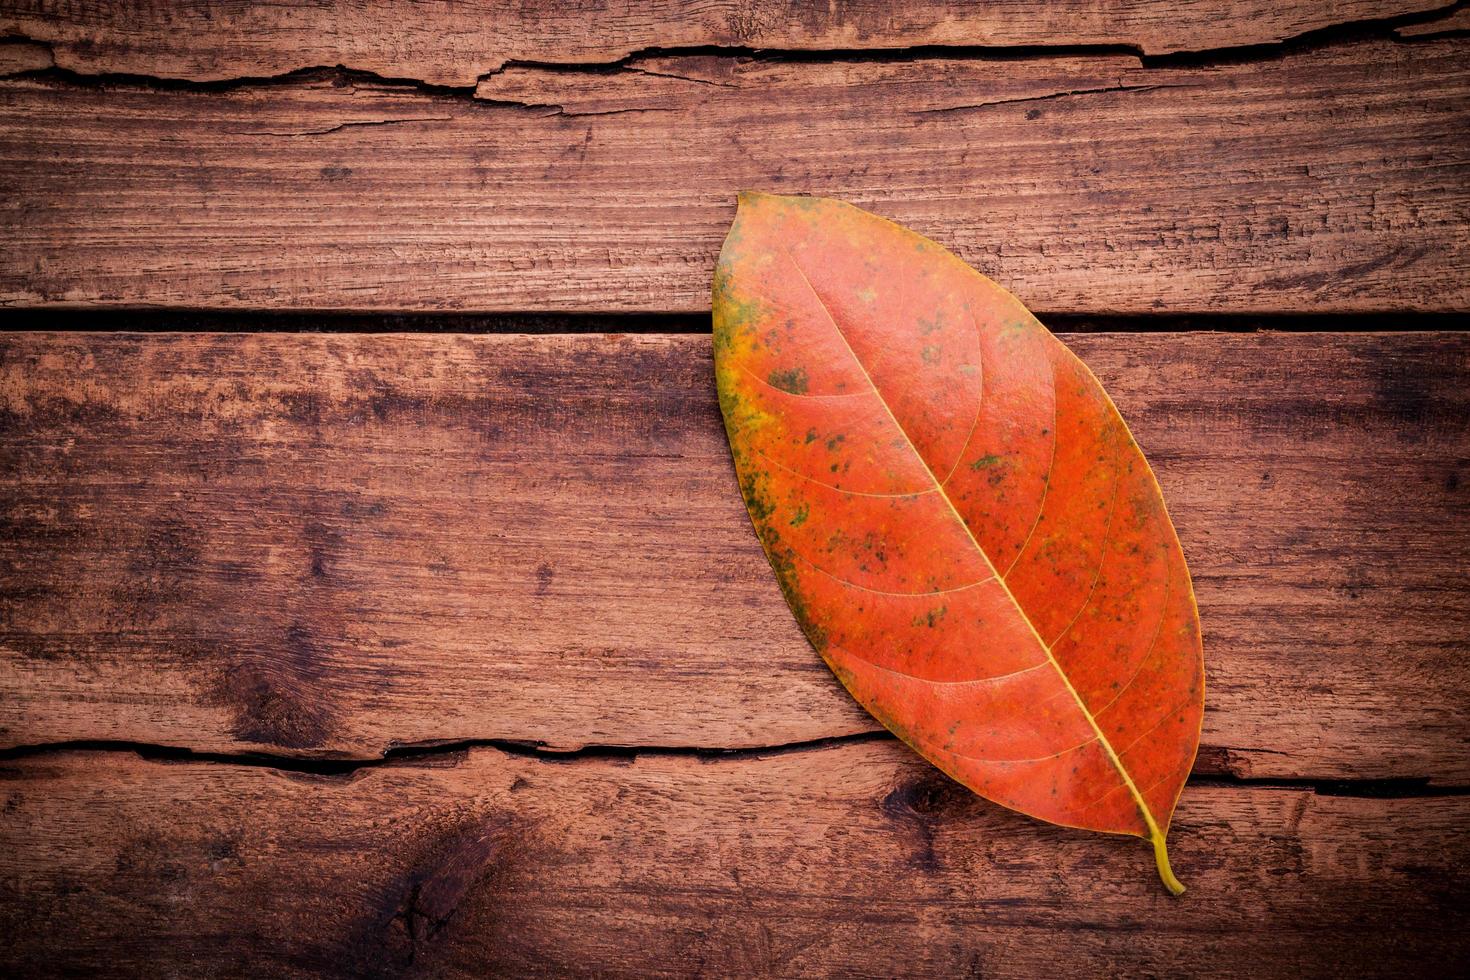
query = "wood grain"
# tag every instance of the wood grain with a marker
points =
(330, 545)
(1456, 21)
(853, 860)
(454, 43)
(1331, 179)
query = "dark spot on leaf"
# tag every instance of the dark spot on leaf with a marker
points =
(930, 620)
(792, 380)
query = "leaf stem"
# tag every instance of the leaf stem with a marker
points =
(1166, 873)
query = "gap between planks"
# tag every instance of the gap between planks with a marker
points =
(456, 752)
(150, 321)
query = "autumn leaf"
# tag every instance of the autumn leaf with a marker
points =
(958, 517)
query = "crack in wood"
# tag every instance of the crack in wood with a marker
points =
(1397, 29)
(1045, 98)
(347, 125)
(121, 320)
(454, 752)
(408, 754)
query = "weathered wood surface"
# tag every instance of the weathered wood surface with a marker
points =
(329, 545)
(455, 43)
(1330, 179)
(1455, 21)
(849, 860)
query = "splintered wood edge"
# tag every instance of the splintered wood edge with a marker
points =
(440, 46)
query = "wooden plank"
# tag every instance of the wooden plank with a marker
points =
(1335, 179)
(329, 545)
(450, 43)
(1457, 20)
(852, 860)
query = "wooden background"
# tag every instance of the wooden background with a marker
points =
(375, 594)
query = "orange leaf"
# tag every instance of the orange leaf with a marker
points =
(958, 517)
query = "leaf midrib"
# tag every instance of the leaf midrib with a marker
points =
(1155, 833)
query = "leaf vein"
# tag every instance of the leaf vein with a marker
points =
(854, 493)
(865, 588)
(803, 394)
(1102, 555)
(925, 680)
(1158, 631)
(979, 405)
(1046, 486)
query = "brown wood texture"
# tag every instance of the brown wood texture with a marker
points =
(455, 43)
(332, 545)
(847, 860)
(1333, 178)
(1455, 21)
(520, 566)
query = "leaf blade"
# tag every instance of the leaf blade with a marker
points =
(868, 440)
